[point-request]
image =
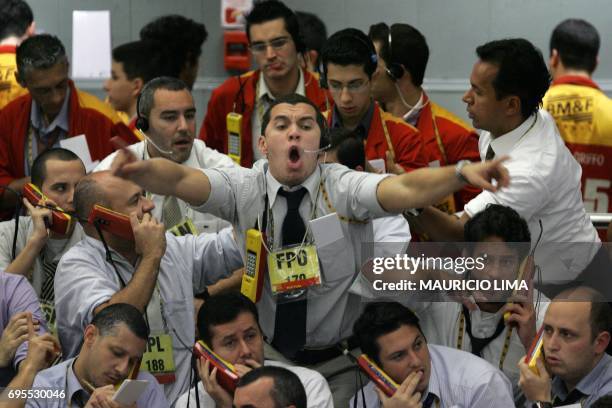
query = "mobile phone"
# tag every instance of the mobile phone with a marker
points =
(527, 264)
(377, 375)
(254, 271)
(129, 391)
(61, 222)
(535, 351)
(112, 221)
(226, 374)
(233, 123)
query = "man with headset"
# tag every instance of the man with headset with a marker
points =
(348, 60)
(275, 42)
(306, 319)
(397, 85)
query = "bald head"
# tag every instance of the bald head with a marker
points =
(590, 304)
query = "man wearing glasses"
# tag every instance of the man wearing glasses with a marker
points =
(274, 38)
(348, 61)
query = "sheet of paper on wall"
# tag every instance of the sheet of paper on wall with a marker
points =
(91, 44)
(233, 12)
(78, 145)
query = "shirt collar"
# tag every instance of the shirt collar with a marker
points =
(264, 91)
(116, 256)
(61, 120)
(505, 143)
(575, 80)
(73, 386)
(311, 184)
(433, 386)
(362, 128)
(588, 385)
(412, 116)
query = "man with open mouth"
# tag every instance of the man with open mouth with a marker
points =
(306, 307)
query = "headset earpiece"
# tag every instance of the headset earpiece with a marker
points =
(142, 123)
(394, 70)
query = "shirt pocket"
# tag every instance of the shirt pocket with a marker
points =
(180, 321)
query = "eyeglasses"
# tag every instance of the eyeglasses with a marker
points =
(353, 87)
(276, 44)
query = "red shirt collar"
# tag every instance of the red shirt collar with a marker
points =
(575, 80)
(8, 49)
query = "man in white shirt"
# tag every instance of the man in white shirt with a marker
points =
(229, 325)
(507, 85)
(282, 193)
(390, 335)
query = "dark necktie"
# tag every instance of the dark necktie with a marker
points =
(290, 324)
(490, 153)
(46, 291)
(431, 398)
(572, 398)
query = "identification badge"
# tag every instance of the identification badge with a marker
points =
(293, 268)
(185, 227)
(48, 310)
(158, 359)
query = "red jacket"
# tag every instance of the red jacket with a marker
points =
(459, 142)
(86, 115)
(223, 99)
(406, 141)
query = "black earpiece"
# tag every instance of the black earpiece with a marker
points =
(142, 123)
(394, 70)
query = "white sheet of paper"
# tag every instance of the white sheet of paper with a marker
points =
(78, 145)
(91, 44)
(378, 164)
(129, 391)
(326, 230)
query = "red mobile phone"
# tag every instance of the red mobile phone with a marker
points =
(226, 374)
(376, 374)
(112, 221)
(61, 222)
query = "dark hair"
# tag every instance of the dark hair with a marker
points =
(378, 319)
(141, 59)
(87, 193)
(313, 31)
(603, 402)
(601, 314)
(498, 221)
(269, 10)
(287, 389)
(221, 309)
(182, 39)
(146, 99)
(577, 42)
(349, 47)
(522, 71)
(350, 150)
(294, 99)
(41, 51)
(108, 318)
(15, 18)
(39, 167)
(408, 48)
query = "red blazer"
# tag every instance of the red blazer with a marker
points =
(459, 141)
(86, 115)
(405, 140)
(223, 99)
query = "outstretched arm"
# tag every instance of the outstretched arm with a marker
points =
(164, 177)
(428, 186)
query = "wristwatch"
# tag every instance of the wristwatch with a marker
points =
(459, 167)
(542, 404)
(203, 295)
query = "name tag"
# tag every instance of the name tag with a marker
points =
(183, 228)
(158, 359)
(48, 310)
(293, 268)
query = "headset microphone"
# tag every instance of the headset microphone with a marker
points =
(322, 149)
(149, 140)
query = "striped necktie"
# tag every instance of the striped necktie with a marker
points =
(47, 293)
(171, 212)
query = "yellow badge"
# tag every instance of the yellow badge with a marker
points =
(183, 228)
(158, 358)
(294, 268)
(48, 310)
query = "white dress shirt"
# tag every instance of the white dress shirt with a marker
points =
(238, 195)
(318, 394)
(201, 157)
(544, 186)
(458, 379)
